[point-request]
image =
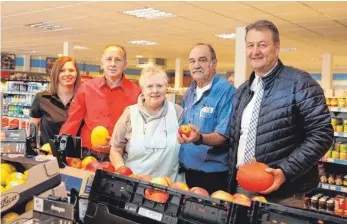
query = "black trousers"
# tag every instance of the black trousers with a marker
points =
(209, 181)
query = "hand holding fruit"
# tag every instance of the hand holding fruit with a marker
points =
(188, 134)
(279, 179)
(100, 139)
(103, 148)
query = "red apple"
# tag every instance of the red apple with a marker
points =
(161, 181)
(200, 191)
(159, 196)
(107, 166)
(93, 166)
(87, 160)
(184, 130)
(74, 162)
(125, 171)
(180, 186)
(222, 195)
(241, 199)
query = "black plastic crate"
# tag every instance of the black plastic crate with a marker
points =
(269, 213)
(124, 198)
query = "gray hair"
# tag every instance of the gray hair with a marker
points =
(265, 25)
(212, 51)
(152, 70)
(116, 46)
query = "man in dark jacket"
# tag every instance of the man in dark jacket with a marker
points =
(279, 118)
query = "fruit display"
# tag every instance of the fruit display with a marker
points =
(161, 196)
(10, 177)
(253, 177)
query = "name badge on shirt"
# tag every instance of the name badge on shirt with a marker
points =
(206, 111)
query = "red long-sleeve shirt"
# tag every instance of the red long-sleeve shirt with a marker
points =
(98, 104)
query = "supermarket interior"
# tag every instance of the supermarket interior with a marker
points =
(63, 180)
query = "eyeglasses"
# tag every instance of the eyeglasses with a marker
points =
(159, 143)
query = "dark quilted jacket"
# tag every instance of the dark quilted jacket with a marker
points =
(294, 128)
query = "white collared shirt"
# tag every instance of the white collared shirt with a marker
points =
(246, 119)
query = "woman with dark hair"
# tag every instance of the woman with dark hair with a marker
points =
(49, 108)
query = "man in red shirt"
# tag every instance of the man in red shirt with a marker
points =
(101, 101)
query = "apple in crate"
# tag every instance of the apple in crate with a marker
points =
(125, 171)
(93, 166)
(74, 162)
(222, 195)
(107, 166)
(180, 186)
(200, 191)
(87, 160)
(241, 199)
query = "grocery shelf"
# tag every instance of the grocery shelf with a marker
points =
(336, 161)
(338, 109)
(19, 93)
(340, 134)
(14, 115)
(332, 187)
(24, 80)
(18, 104)
(23, 72)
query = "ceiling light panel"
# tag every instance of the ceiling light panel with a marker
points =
(226, 35)
(46, 26)
(148, 13)
(142, 42)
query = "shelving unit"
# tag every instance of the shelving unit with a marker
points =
(19, 90)
(334, 189)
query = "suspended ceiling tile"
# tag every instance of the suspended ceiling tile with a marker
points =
(326, 5)
(297, 17)
(219, 6)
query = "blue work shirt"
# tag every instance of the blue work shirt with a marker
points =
(212, 113)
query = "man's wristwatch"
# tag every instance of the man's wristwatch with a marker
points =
(199, 141)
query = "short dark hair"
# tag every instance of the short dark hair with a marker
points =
(265, 25)
(117, 46)
(212, 51)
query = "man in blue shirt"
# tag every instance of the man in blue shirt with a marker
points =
(207, 108)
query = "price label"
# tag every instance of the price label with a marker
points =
(339, 109)
(333, 187)
(344, 189)
(330, 160)
(150, 214)
(325, 186)
(38, 204)
(340, 134)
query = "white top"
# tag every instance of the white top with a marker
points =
(200, 91)
(153, 148)
(246, 120)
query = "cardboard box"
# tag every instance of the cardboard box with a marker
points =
(43, 175)
(59, 191)
(81, 180)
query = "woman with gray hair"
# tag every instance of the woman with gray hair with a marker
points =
(144, 138)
